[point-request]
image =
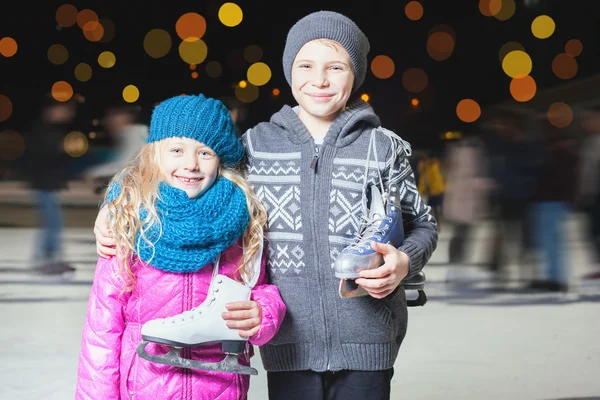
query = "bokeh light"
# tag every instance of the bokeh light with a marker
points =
(230, 14)
(190, 25)
(517, 63)
(6, 107)
(365, 97)
(415, 80)
(523, 88)
(413, 10)
(246, 94)
(259, 74)
(440, 45)
(62, 91)
(213, 69)
(490, 8)
(543, 27)
(253, 53)
(506, 10)
(194, 75)
(93, 31)
(85, 16)
(66, 15)
(109, 30)
(12, 145)
(83, 72)
(564, 66)
(573, 47)
(508, 47)
(193, 67)
(8, 46)
(75, 144)
(157, 43)
(243, 84)
(468, 110)
(275, 92)
(58, 54)
(193, 51)
(560, 114)
(383, 67)
(414, 102)
(131, 93)
(107, 59)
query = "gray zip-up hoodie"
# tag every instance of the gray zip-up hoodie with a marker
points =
(315, 202)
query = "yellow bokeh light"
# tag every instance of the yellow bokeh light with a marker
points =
(468, 110)
(243, 84)
(62, 91)
(66, 15)
(517, 64)
(83, 72)
(560, 114)
(506, 11)
(365, 97)
(6, 108)
(157, 43)
(543, 27)
(383, 67)
(246, 94)
(508, 47)
(107, 59)
(230, 14)
(75, 144)
(8, 46)
(131, 93)
(58, 54)
(213, 69)
(259, 74)
(523, 89)
(190, 25)
(253, 53)
(12, 145)
(193, 51)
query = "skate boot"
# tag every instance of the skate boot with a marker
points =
(383, 225)
(416, 282)
(198, 326)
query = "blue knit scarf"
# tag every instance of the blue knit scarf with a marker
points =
(194, 231)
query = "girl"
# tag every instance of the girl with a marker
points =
(177, 211)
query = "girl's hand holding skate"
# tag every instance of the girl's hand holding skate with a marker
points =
(380, 282)
(245, 316)
(105, 240)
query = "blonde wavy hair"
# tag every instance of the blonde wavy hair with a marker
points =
(139, 183)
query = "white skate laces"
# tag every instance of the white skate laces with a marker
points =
(211, 297)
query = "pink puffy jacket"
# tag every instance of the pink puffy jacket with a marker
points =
(109, 367)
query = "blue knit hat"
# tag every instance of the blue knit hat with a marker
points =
(200, 118)
(333, 26)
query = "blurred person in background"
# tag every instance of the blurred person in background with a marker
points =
(47, 172)
(588, 193)
(122, 123)
(514, 161)
(552, 203)
(431, 185)
(465, 201)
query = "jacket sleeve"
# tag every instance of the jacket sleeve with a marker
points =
(98, 371)
(420, 227)
(272, 307)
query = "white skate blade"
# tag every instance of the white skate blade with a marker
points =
(347, 289)
(229, 364)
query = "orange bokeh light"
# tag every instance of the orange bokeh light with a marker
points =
(440, 45)
(468, 110)
(85, 16)
(573, 47)
(413, 10)
(382, 67)
(414, 102)
(62, 91)
(190, 25)
(564, 66)
(489, 8)
(194, 75)
(93, 31)
(560, 114)
(523, 89)
(8, 47)
(66, 15)
(276, 92)
(415, 80)
(6, 108)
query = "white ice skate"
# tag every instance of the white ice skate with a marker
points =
(203, 325)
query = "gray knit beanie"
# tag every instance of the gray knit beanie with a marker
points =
(333, 26)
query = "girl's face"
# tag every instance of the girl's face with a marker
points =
(188, 165)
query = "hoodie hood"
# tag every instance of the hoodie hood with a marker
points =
(349, 124)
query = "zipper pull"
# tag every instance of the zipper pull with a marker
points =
(313, 164)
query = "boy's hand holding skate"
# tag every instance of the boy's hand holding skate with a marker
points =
(380, 282)
(245, 316)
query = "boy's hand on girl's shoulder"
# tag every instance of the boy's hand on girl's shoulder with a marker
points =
(245, 316)
(380, 282)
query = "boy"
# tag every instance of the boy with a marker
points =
(312, 166)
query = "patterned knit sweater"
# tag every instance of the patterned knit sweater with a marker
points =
(315, 205)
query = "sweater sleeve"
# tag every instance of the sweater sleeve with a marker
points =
(272, 307)
(98, 371)
(420, 226)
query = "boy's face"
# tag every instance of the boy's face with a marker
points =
(188, 165)
(322, 79)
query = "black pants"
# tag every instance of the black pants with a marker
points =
(340, 385)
